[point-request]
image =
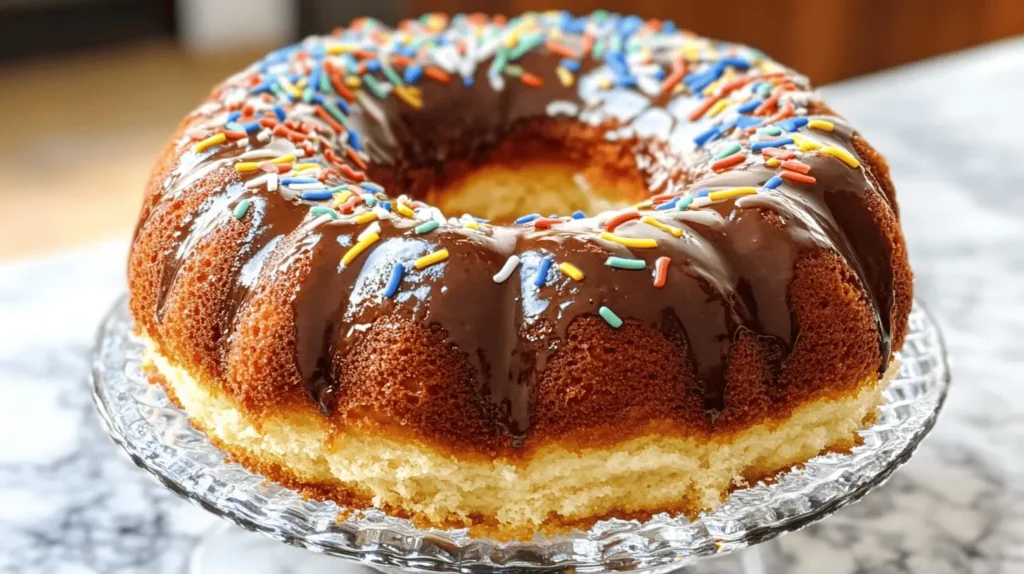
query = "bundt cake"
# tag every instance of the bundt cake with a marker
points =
(520, 275)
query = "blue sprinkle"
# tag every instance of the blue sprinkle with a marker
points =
(279, 112)
(670, 204)
(316, 195)
(617, 62)
(757, 146)
(386, 205)
(734, 61)
(702, 192)
(413, 74)
(527, 218)
(749, 106)
(542, 271)
(698, 81)
(571, 65)
(668, 27)
(291, 180)
(480, 219)
(396, 279)
(578, 214)
(373, 65)
(792, 124)
(706, 136)
(233, 117)
(659, 74)
(629, 25)
(625, 81)
(773, 182)
(314, 77)
(371, 187)
(251, 127)
(262, 88)
(353, 140)
(744, 122)
(342, 105)
(467, 81)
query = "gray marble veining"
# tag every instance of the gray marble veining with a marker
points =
(70, 504)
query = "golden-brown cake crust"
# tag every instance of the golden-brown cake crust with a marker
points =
(774, 295)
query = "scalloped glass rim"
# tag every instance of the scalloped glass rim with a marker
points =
(158, 438)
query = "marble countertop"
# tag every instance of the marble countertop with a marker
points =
(953, 134)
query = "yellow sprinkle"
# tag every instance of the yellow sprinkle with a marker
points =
(353, 81)
(845, 156)
(803, 143)
(472, 225)
(565, 76)
(366, 217)
(210, 141)
(302, 82)
(571, 270)
(637, 243)
(772, 162)
(430, 259)
(246, 166)
(513, 37)
(359, 247)
(643, 204)
(822, 125)
(406, 96)
(341, 48)
(289, 87)
(675, 231)
(300, 166)
(729, 193)
(284, 159)
(404, 210)
(605, 83)
(340, 199)
(717, 108)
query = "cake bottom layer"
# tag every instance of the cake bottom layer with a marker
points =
(554, 488)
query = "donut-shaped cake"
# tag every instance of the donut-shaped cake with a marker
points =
(520, 274)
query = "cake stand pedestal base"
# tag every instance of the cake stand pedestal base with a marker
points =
(227, 549)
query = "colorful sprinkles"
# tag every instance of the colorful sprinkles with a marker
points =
(748, 114)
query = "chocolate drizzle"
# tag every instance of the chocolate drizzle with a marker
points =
(731, 268)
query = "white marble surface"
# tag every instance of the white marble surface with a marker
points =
(954, 135)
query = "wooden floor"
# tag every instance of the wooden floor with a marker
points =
(81, 134)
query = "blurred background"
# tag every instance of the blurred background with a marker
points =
(90, 89)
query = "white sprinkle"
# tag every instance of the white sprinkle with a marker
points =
(258, 155)
(497, 82)
(701, 201)
(263, 136)
(272, 182)
(506, 270)
(370, 229)
(307, 186)
(257, 181)
(382, 213)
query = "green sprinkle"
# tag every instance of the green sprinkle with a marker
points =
(525, 45)
(369, 200)
(684, 203)
(624, 263)
(599, 16)
(427, 227)
(498, 64)
(375, 86)
(598, 51)
(325, 83)
(280, 93)
(764, 90)
(616, 44)
(609, 317)
(241, 209)
(320, 210)
(307, 94)
(336, 113)
(390, 73)
(514, 70)
(770, 131)
(728, 151)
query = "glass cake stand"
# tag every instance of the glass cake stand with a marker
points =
(158, 438)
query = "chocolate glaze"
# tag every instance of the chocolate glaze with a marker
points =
(730, 270)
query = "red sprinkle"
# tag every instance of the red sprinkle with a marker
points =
(727, 162)
(532, 80)
(778, 153)
(703, 109)
(734, 85)
(351, 173)
(350, 204)
(330, 121)
(545, 223)
(674, 77)
(268, 122)
(784, 113)
(620, 219)
(232, 135)
(435, 73)
(661, 271)
(561, 50)
(767, 106)
(797, 177)
(354, 156)
(797, 166)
